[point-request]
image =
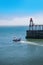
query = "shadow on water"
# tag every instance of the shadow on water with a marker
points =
(39, 41)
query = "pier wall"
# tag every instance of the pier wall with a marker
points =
(34, 34)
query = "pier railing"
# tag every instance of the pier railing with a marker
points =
(35, 27)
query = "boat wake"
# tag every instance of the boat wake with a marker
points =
(23, 42)
(31, 43)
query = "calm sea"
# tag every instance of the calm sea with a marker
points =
(19, 53)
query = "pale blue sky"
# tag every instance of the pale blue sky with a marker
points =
(18, 7)
(9, 9)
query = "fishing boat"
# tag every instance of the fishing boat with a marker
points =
(16, 39)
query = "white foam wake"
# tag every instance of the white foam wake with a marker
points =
(32, 43)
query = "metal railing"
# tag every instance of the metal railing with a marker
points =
(35, 27)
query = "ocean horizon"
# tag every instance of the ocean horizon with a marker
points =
(19, 53)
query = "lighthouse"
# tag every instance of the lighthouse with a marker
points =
(34, 31)
(31, 24)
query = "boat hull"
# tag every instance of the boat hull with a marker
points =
(16, 40)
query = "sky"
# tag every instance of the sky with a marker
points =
(18, 12)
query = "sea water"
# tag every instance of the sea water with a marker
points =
(19, 53)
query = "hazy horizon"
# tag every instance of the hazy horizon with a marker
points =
(18, 12)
